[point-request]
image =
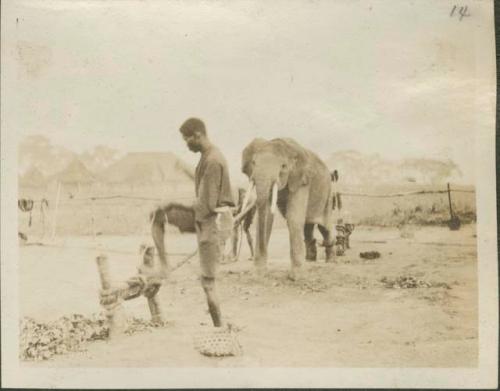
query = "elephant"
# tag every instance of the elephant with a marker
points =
(286, 175)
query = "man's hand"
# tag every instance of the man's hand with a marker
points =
(225, 223)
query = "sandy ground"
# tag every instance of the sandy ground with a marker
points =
(340, 315)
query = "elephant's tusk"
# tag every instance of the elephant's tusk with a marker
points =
(274, 198)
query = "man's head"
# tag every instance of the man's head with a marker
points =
(194, 134)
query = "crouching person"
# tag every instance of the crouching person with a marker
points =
(213, 196)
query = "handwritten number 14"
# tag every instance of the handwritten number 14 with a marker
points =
(462, 12)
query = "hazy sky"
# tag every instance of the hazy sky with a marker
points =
(398, 78)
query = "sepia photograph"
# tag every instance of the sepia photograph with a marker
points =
(248, 193)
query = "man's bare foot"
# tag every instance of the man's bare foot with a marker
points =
(164, 273)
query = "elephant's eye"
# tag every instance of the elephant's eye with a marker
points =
(283, 166)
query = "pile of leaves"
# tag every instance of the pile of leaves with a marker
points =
(41, 341)
(410, 282)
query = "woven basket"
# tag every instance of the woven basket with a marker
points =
(217, 343)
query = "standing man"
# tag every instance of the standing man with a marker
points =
(213, 193)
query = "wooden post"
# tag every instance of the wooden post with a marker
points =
(134, 287)
(114, 314)
(92, 218)
(42, 217)
(54, 220)
(154, 308)
(449, 201)
(103, 268)
(454, 223)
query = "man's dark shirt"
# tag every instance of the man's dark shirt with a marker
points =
(212, 185)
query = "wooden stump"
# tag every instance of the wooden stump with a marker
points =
(114, 311)
(145, 283)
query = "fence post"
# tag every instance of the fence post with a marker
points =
(454, 223)
(42, 217)
(54, 220)
(103, 269)
(449, 200)
(92, 222)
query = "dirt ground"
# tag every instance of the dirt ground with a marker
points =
(339, 315)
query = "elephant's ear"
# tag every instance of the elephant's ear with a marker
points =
(248, 153)
(301, 170)
(301, 174)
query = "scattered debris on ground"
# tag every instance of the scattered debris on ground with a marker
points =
(409, 282)
(370, 255)
(138, 325)
(314, 286)
(40, 341)
(316, 279)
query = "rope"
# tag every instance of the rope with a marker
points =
(349, 194)
(184, 261)
(95, 198)
(94, 248)
(405, 194)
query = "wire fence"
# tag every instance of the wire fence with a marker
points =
(392, 195)
(346, 194)
(124, 214)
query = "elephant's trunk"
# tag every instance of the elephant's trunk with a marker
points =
(262, 190)
(267, 195)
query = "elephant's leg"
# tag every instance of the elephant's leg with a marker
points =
(158, 233)
(349, 228)
(310, 242)
(296, 218)
(329, 243)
